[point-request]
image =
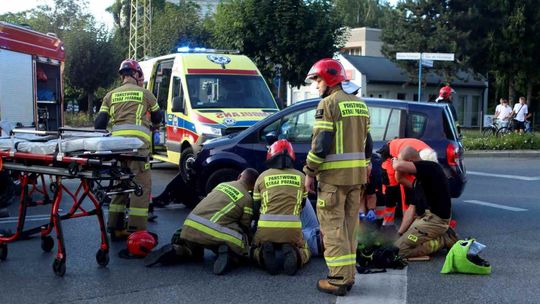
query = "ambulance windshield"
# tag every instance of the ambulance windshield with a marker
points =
(229, 91)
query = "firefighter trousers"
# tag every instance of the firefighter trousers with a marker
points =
(138, 205)
(337, 210)
(427, 234)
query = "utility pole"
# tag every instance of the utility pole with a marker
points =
(140, 22)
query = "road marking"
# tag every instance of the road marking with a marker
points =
(388, 287)
(494, 205)
(525, 178)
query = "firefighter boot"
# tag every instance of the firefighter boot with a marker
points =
(165, 255)
(119, 235)
(324, 285)
(291, 260)
(223, 261)
(269, 258)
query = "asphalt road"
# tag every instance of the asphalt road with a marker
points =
(508, 225)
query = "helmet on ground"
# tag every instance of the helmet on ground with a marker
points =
(445, 92)
(140, 243)
(280, 147)
(460, 259)
(329, 70)
(129, 66)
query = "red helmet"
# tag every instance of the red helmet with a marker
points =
(330, 70)
(445, 92)
(281, 147)
(130, 64)
(140, 243)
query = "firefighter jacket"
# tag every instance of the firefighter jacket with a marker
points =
(281, 194)
(337, 154)
(222, 217)
(127, 106)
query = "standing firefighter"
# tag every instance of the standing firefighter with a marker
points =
(126, 107)
(279, 196)
(339, 158)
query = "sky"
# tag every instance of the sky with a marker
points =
(97, 8)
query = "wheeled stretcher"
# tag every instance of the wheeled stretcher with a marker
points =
(94, 158)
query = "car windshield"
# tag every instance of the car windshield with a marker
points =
(229, 91)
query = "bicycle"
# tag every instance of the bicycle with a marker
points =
(494, 128)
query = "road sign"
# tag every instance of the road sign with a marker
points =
(427, 63)
(438, 56)
(408, 56)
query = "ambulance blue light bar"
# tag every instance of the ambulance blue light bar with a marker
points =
(186, 49)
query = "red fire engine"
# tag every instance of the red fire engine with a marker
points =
(31, 78)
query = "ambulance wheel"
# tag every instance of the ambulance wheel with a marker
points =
(3, 252)
(220, 176)
(47, 243)
(102, 257)
(59, 267)
(187, 158)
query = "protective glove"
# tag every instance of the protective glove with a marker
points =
(370, 216)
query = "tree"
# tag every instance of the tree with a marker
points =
(290, 34)
(424, 26)
(360, 13)
(91, 62)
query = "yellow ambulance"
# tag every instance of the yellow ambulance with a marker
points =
(205, 94)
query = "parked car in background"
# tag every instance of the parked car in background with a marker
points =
(223, 158)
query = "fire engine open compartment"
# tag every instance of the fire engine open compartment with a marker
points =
(31, 82)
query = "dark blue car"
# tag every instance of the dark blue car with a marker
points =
(222, 159)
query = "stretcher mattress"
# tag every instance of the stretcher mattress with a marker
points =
(91, 144)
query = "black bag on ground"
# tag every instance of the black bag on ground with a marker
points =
(378, 259)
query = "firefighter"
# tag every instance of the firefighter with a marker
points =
(279, 197)
(339, 158)
(445, 96)
(126, 108)
(425, 227)
(399, 191)
(220, 222)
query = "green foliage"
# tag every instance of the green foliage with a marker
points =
(360, 13)
(293, 34)
(177, 25)
(473, 140)
(78, 119)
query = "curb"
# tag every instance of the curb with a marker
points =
(505, 153)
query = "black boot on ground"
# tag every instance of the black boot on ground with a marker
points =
(291, 260)
(165, 255)
(269, 258)
(222, 263)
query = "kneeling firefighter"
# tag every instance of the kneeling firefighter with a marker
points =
(279, 196)
(126, 107)
(220, 222)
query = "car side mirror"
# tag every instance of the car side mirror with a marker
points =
(178, 104)
(271, 137)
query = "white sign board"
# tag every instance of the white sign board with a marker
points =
(438, 56)
(427, 63)
(408, 56)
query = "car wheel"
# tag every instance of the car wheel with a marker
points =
(186, 160)
(220, 176)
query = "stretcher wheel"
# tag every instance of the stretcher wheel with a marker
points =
(3, 252)
(47, 243)
(59, 267)
(138, 190)
(102, 257)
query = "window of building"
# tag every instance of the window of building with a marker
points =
(401, 96)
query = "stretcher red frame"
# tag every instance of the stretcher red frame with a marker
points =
(90, 168)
